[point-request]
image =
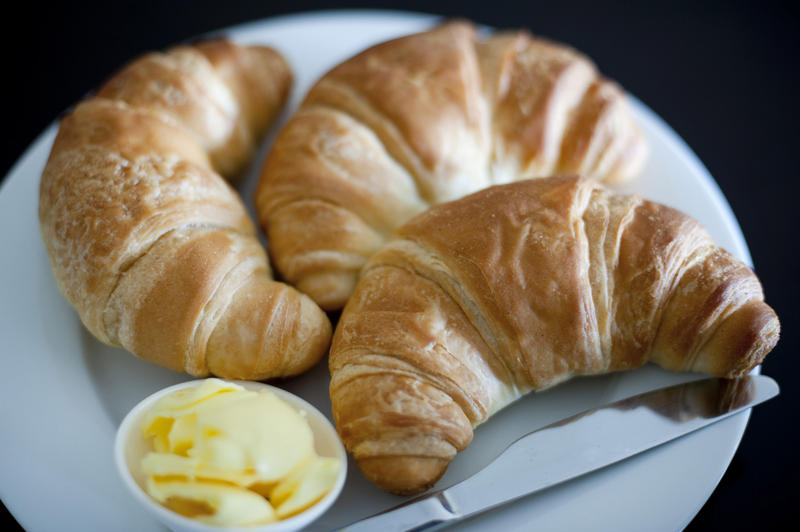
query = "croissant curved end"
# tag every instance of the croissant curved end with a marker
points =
(740, 342)
(271, 330)
(329, 290)
(403, 475)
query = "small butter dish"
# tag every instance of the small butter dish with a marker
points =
(130, 447)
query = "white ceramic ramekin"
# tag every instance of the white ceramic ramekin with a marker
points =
(130, 447)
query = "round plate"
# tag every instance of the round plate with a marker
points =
(65, 393)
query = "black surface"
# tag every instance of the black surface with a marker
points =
(722, 74)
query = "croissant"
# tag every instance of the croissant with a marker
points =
(517, 288)
(154, 250)
(425, 119)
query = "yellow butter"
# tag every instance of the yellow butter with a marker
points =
(219, 447)
(305, 486)
(215, 504)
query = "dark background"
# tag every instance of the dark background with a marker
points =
(722, 74)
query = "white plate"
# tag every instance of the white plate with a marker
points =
(64, 393)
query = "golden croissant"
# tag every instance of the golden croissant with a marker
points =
(517, 288)
(425, 119)
(148, 243)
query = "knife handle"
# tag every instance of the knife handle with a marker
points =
(427, 513)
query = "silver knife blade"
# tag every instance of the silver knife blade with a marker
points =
(576, 446)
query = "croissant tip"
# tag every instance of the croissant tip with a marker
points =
(403, 475)
(741, 342)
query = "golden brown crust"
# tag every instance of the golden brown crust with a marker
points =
(424, 119)
(151, 246)
(517, 288)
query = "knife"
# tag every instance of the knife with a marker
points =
(575, 446)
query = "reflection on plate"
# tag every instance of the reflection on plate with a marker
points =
(65, 393)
